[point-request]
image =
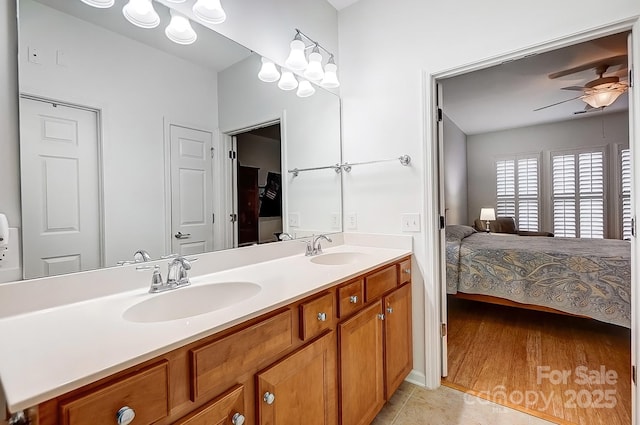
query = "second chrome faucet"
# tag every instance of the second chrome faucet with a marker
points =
(313, 245)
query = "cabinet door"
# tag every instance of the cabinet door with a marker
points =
(397, 338)
(361, 366)
(301, 388)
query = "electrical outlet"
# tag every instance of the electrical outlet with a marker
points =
(34, 55)
(335, 220)
(411, 222)
(351, 220)
(294, 219)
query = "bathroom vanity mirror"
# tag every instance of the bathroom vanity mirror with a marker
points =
(161, 119)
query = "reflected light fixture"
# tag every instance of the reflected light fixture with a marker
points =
(287, 81)
(100, 4)
(141, 13)
(305, 89)
(330, 80)
(179, 29)
(268, 72)
(314, 70)
(486, 215)
(209, 11)
(297, 60)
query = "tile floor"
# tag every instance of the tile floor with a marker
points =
(413, 405)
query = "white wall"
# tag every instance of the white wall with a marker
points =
(311, 138)
(454, 172)
(386, 49)
(608, 131)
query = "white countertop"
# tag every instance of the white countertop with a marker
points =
(49, 352)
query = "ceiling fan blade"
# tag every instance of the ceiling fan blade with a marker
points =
(558, 103)
(577, 88)
(612, 61)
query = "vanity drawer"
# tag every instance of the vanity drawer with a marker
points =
(350, 297)
(316, 316)
(380, 282)
(221, 410)
(220, 362)
(404, 272)
(146, 392)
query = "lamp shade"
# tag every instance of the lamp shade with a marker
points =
(100, 4)
(141, 13)
(179, 29)
(602, 98)
(487, 214)
(297, 60)
(209, 11)
(330, 80)
(268, 72)
(287, 81)
(305, 89)
(314, 70)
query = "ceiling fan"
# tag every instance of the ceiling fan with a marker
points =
(599, 93)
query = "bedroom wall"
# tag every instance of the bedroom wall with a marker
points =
(598, 130)
(455, 173)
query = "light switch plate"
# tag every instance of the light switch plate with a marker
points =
(294, 219)
(351, 221)
(335, 220)
(411, 222)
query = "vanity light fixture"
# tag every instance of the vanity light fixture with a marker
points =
(268, 72)
(297, 60)
(305, 89)
(209, 11)
(330, 80)
(100, 4)
(314, 70)
(141, 13)
(179, 29)
(287, 81)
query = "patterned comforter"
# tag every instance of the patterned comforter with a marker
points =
(588, 277)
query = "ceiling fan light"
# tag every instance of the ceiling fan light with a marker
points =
(141, 13)
(179, 29)
(297, 60)
(268, 72)
(603, 98)
(100, 4)
(305, 89)
(287, 81)
(209, 11)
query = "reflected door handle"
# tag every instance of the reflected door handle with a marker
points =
(181, 235)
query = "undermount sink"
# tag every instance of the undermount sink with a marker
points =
(339, 258)
(190, 301)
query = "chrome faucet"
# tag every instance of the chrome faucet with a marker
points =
(141, 255)
(176, 275)
(314, 247)
(285, 236)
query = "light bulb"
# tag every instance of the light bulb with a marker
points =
(209, 11)
(268, 72)
(288, 81)
(330, 80)
(296, 60)
(314, 70)
(305, 89)
(100, 4)
(179, 29)
(141, 13)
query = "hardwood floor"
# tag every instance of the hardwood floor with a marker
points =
(568, 369)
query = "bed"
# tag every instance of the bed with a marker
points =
(584, 277)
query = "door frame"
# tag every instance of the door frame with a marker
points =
(433, 272)
(100, 136)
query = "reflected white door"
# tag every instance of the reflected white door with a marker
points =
(191, 191)
(60, 188)
(442, 209)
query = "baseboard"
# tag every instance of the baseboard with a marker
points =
(417, 378)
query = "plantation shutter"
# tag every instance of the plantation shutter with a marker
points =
(625, 179)
(517, 193)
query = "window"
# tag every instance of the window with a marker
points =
(517, 190)
(625, 192)
(578, 194)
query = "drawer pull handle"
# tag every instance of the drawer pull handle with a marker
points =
(389, 309)
(237, 419)
(322, 317)
(125, 415)
(353, 299)
(406, 271)
(269, 398)
(381, 316)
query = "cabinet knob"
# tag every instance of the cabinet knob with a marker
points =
(125, 415)
(353, 299)
(269, 398)
(322, 317)
(406, 271)
(389, 309)
(380, 316)
(237, 419)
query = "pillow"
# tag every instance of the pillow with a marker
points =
(458, 231)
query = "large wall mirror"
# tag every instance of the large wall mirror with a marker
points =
(125, 141)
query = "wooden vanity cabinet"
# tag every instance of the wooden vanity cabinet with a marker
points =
(331, 358)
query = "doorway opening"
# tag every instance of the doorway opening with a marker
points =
(512, 361)
(258, 185)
